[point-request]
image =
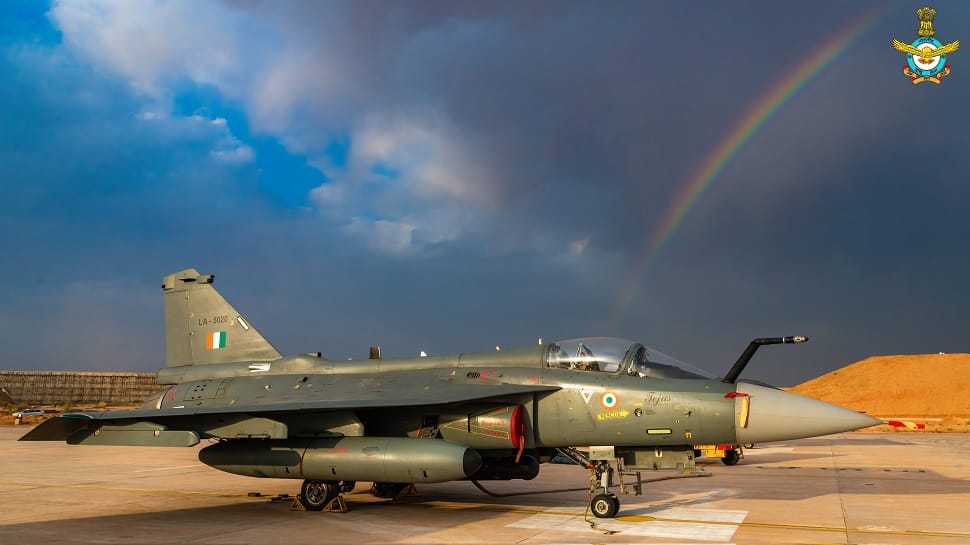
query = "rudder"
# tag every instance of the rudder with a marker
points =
(201, 327)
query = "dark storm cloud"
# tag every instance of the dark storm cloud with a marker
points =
(620, 90)
(98, 197)
(504, 166)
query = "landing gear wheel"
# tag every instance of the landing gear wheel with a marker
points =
(315, 495)
(730, 457)
(604, 506)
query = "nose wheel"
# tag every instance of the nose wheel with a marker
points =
(605, 505)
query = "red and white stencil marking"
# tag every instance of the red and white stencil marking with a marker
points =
(906, 424)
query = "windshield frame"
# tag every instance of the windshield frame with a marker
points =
(615, 356)
(607, 355)
(662, 365)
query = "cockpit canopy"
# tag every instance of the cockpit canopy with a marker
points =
(614, 355)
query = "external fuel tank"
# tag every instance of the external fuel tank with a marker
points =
(378, 459)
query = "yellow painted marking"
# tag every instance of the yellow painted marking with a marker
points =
(745, 406)
(154, 491)
(921, 533)
(452, 505)
(455, 505)
(615, 415)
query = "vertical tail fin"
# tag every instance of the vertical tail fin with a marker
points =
(202, 327)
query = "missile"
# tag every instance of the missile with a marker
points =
(378, 459)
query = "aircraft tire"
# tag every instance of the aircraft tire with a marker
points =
(604, 506)
(315, 495)
(730, 457)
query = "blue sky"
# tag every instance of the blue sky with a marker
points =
(449, 176)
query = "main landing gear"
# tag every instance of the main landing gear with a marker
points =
(321, 495)
(316, 495)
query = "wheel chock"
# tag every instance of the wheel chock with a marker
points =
(336, 505)
(297, 505)
(410, 491)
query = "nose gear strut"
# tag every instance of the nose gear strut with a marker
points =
(602, 502)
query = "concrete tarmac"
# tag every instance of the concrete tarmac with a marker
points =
(866, 488)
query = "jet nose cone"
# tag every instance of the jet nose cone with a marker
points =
(774, 415)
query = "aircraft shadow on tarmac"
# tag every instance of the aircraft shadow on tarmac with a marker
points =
(250, 521)
(446, 506)
(756, 480)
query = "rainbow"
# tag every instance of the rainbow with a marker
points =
(727, 149)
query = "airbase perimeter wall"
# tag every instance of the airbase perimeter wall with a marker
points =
(77, 388)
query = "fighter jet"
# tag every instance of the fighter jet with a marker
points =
(493, 415)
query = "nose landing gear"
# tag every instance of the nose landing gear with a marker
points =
(675, 461)
(605, 505)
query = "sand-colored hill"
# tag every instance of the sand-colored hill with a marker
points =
(928, 386)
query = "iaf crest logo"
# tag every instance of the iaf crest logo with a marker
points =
(926, 56)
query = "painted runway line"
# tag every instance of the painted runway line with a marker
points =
(766, 450)
(707, 525)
